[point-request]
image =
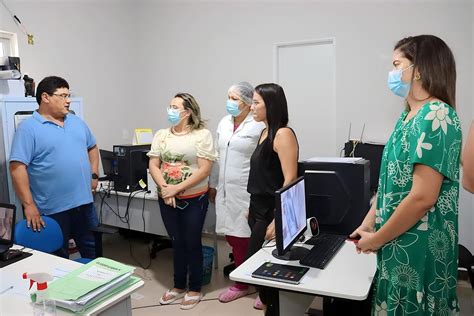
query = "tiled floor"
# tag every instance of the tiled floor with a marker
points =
(158, 278)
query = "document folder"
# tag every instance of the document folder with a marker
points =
(85, 286)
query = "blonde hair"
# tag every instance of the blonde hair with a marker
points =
(195, 120)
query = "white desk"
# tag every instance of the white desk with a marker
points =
(349, 275)
(17, 300)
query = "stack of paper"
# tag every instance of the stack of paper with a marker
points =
(91, 284)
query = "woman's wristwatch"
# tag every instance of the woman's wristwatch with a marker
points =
(95, 176)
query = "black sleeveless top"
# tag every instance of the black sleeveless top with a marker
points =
(266, 175)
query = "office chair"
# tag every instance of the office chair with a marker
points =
(466, 260)
(49, 240)
(51, 237)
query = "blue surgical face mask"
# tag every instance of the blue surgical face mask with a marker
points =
(174, 116)
(395, 83)
(233, 108)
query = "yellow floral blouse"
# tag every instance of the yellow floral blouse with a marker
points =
(179, 154)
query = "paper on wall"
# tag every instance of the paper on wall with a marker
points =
(143, 136)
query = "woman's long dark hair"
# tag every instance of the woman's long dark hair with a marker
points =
(276, 109)
(435, 62)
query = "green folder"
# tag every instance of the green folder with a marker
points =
(87, 278)
(85, 309)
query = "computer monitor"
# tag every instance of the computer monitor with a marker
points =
(337, 193)
(132, 163)
(7, 226)
(290, 220)
(108, 164)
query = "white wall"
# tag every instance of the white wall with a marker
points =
(91, 44)
(203, 48)
(127, 58)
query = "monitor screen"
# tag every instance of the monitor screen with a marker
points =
(7, 221)
(290, 215)
(107, 160)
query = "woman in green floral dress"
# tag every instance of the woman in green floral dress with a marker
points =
(413, 226)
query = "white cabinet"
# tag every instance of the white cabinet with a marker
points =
(12, 111)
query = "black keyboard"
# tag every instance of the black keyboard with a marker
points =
(325, 246)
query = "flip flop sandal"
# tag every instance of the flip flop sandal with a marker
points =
(187, 298)
(172, 296)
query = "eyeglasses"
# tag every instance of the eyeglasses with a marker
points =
(63, 96)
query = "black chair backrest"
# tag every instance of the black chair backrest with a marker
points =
(466, 261)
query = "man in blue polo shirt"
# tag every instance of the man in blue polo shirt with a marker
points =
(54, 164)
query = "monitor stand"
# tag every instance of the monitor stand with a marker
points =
(295, 253)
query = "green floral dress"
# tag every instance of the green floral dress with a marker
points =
(417, 272)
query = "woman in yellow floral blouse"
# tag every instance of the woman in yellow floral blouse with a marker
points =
(181, 158)
(413, 227)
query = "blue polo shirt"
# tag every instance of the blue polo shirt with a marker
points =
(57, 161)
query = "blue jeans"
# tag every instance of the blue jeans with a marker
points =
(76, 223)
(185, 228)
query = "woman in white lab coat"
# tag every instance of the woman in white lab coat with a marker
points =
(236, 138)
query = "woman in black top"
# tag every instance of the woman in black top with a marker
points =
(273, 164)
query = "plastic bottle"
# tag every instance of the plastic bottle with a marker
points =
(43, 304)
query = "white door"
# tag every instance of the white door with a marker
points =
(307, 73)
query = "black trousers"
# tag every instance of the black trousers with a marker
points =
(261, 214)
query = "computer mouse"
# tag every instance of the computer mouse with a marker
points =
(11, 254)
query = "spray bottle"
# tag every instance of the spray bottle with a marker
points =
(43, 305)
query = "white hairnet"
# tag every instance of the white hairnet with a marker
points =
(244, 91)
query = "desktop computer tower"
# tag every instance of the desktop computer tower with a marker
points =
(131, 166)
(371, 152)
(337, 193)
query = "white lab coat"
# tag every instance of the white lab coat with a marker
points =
(230, 175)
